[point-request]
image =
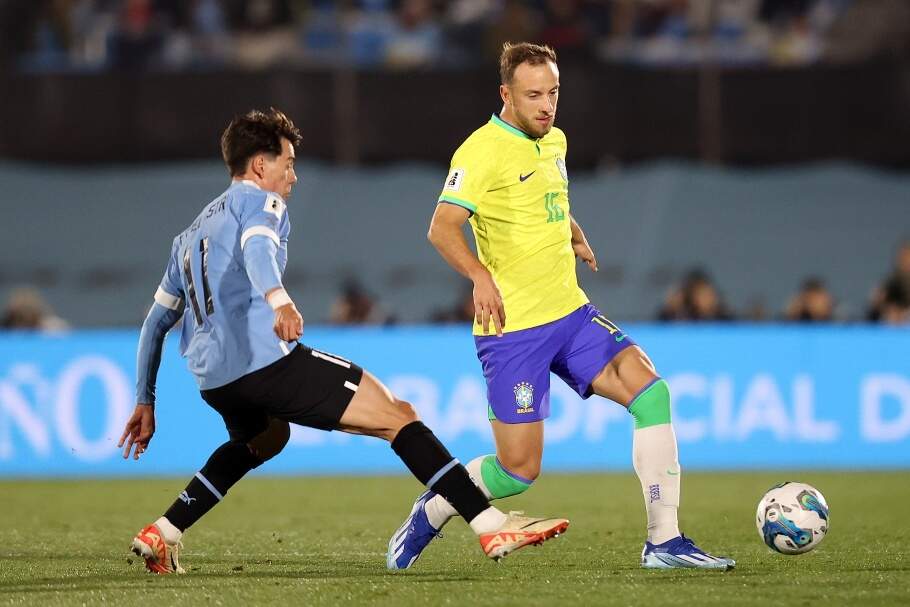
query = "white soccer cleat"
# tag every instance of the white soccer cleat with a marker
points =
(519, 531)
(160, 557)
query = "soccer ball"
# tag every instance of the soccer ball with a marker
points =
(792, 518)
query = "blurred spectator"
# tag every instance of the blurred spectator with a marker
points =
(813, 303)
(515, 22)
(567, 31)
(208, 22)
(354, 306)
(462, 311)
(466, 22)
(868, 29)
(895, 306)
(416, 39)
(794, 37)
(26, 309)
(696, 299)
(266, 34)
(405, 34)
(891, 299)
(138, 39)
(369, 29)
(323, 36)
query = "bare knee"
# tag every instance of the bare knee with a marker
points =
(526, 466)
(624, 376)
(271, 441)
(402, 414)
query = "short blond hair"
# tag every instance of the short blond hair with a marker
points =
(514, 55)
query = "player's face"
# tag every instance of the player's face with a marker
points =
(278, 171)
(531, 97)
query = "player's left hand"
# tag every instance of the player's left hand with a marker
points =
(583, 251)
(288, 323)
(139, 431)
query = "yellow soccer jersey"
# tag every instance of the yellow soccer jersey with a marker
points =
(517, 190)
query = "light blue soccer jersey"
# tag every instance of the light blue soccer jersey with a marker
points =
(227, 327)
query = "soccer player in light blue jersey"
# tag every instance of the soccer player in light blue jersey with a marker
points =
(239, 336)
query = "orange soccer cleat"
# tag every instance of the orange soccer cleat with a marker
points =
(160, 557)
(519, 531)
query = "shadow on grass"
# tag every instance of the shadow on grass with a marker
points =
(122, 575)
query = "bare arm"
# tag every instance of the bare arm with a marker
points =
(580, 245)
(445, 234)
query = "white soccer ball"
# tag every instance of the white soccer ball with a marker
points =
(792, 518)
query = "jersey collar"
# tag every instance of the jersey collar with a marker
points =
(505, 125)
(495, 119)
(248, 182)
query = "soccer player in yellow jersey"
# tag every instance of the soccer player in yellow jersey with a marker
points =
(509, 180)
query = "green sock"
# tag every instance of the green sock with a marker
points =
(495, 481)
(652, 405)
(487, 473)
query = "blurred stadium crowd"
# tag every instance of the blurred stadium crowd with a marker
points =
(57, 35)
(88, 36)
(695, 299)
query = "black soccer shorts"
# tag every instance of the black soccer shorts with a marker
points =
(307, 387)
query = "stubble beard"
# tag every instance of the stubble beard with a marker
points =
(529, 126)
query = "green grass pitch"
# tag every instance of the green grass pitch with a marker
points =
(321, 541)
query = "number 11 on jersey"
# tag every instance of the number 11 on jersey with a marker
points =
(191, 283)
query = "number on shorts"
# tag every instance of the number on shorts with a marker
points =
(606, 323)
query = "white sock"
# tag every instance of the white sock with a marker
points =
(656, 462)
(439, 511)
(171, 534)
(487, 521)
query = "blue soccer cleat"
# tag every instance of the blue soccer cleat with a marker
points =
(412, 537)
(681, 553)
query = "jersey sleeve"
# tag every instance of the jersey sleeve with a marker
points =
(264, 229)
(471, 175)
(163, 315)
(260, 258)
(264, 216)
(170, 291)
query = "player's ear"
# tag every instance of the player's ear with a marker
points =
(504, 93)
(257, 163)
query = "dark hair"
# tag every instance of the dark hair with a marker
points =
(897, 293)
(813, 283)
(514, 55)
(253, 133)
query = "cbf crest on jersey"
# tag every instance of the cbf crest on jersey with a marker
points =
(561, 165)
(524, 397)
(453, 181)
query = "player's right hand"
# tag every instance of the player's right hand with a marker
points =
(288, 322)
(140, 428)
(488, 304)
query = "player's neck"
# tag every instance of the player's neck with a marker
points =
(248, 179)
(506, 116)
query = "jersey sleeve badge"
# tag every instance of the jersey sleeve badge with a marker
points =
(453, 181)
(274, 205)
